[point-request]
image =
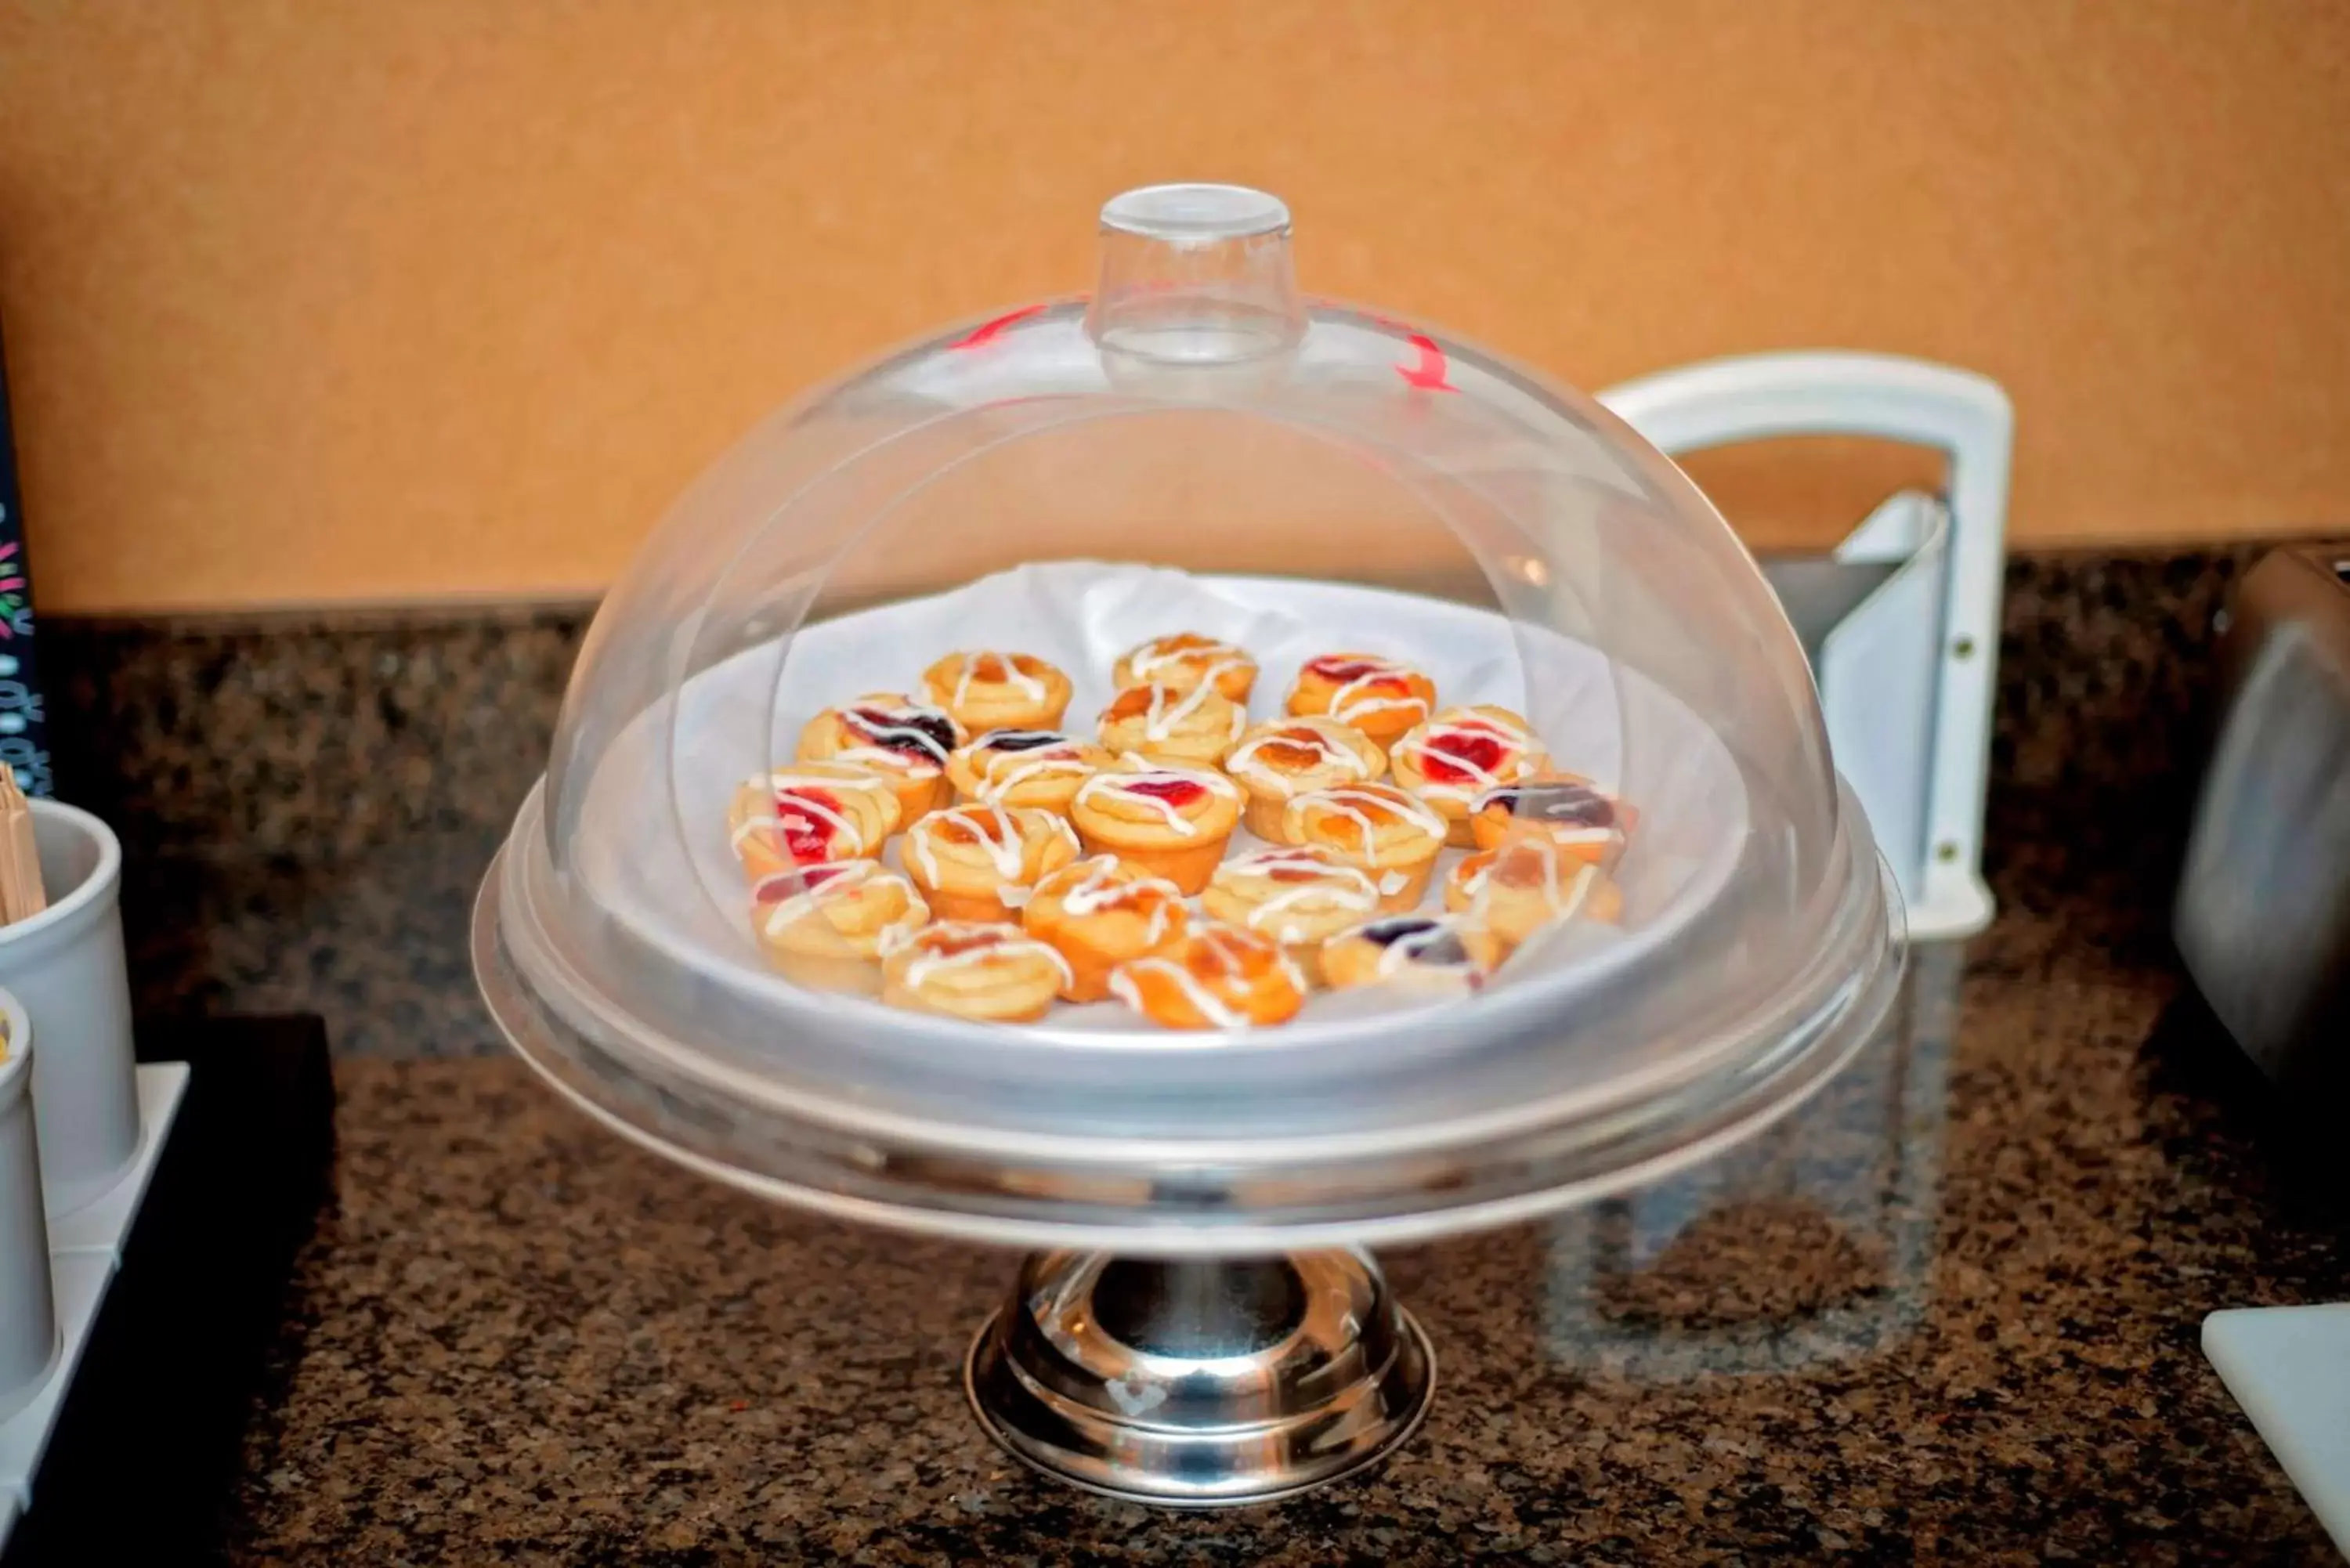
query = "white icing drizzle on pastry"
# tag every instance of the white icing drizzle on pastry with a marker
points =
(1336, 800)
(1422, 744)
(1140, 772)
(886, 741)
(1145, 662)
(985, 943)
(1107, 884)
(1563, 902)
(1162, 718)
(1334, 885)
(1244, 759)
(1207, 1003)
(1029, 685)
(848, 835)
(1345, 704)
(1003, 847)
(1059, 756)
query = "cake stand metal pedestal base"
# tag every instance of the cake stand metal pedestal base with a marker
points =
(1199, 1384)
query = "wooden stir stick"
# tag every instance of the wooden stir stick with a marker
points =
(21, 894)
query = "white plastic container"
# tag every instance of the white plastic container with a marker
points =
(66, 965)
(28, 1317)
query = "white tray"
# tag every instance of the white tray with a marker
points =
(85, 1252)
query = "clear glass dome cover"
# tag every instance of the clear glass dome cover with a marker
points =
(1196, 446)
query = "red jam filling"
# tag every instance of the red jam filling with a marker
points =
(947, 944)
(805, 838)
(1338, 667)
(1176, 793)
(1481, 752)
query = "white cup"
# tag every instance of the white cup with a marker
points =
(66, 966)
(28, 1308)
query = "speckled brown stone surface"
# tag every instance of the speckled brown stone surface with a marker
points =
(1947, 1313)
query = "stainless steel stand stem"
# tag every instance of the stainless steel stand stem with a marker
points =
(1199, 1384)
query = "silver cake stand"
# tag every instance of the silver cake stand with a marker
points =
(1189, 1333)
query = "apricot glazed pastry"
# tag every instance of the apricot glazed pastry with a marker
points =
(1377, 696)
(1215, 978)
(1566, 810)
(1420, 952)
(1289, 756)
(992, 972)
(905, 741)
(1099, 913)
(980, 861)
(1194, 727)
(1299, 896)
(1375, 827)
(825, 925)
(1026, 767)
(987, 690)
(1186, 661)
(810, 813)
(1167, 821)
(1526, 884)
(1459, 754)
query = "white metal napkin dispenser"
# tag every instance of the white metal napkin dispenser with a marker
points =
(1901, 619)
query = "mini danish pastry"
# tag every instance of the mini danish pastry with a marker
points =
(1289, 756)
(1375, 826)
(905, 741)
(1185, 661)
(1026, 767)
(1377, 696)
(980, 861)
(825, 925)
(1299, 896)
(1456, 756)
(995, 973)
(1423, 953)
(1526, 884)
(1580, 819)
(807, 814)
(1098, 913)
(987, 690)
(1193, 728)
(1216, 978)
(1168, 821)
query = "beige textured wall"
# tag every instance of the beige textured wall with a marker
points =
(310, 301)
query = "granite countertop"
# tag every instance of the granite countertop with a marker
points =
(1949, 1311)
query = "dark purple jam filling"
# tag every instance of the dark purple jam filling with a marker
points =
(1567, 805)
(922, 733)
(1441, 947)
(1020, 739)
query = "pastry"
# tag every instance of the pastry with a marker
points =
(1289, 756)
(1458, 756)
(1580, 819)
(1527, 883)
(1099, 912)
(980, 861)
(810, 813)
(825, 925)
(1216, 978)
(1168, 821)
(1377, 696)
(1423, 953)
(998, 690)
(1298, 897)
(1185, 661)
(1194, 727)
(1375, 826)
(904, 740)
(997, 973)
(1026, 767)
